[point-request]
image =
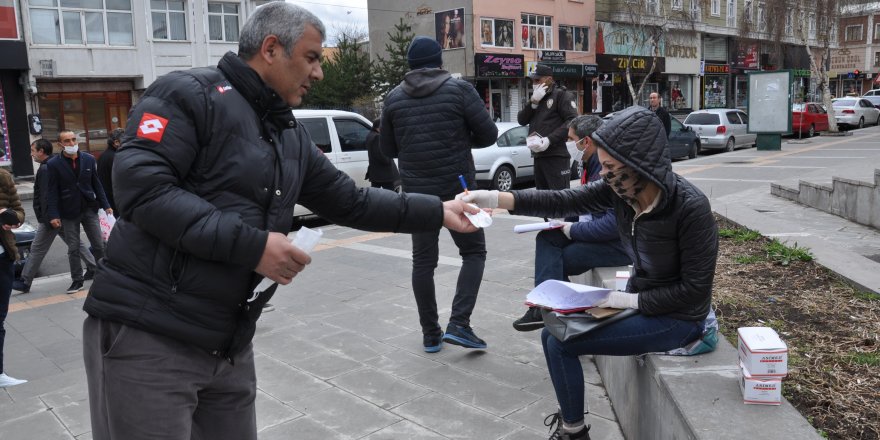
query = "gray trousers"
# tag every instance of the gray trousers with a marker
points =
(144, 386)
(43, 240)
(70, 234)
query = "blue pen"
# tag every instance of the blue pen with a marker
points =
(463, 183)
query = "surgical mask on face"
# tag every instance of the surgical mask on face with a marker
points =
(576, 153)
(71, 149)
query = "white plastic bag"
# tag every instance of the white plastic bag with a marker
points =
(107, 221)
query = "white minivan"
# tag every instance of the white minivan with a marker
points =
(342, 137)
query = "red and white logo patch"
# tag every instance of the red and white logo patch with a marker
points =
(152, 127)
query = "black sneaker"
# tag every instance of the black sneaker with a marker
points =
(532, 320)
(76, 286)
(463, 336)
(432, 342)
(21, 286)
(89, 275)
(558, 434)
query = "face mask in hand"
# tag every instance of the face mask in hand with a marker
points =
(72, 149)
(576, 153)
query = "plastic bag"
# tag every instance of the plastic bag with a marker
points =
(106, 221)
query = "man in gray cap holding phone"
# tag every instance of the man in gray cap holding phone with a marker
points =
(547, 114)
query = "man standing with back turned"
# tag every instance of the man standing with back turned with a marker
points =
(211, 167)
(430, 122)
(547, 114)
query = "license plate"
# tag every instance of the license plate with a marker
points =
(704, 140)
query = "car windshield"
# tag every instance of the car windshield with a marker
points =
(798, 107)
(844, 103)
(702, 119)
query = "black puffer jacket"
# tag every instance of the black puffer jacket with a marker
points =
(212, 160)
(550, 120)
(430, 123)
(674, 247)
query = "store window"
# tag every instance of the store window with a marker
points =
(81, 22)
(496, 32)
(575, 38)
(223, 22)
(90, 115)
(537, 31)
(169, 19)
(678, 98)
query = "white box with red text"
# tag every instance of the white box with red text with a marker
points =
(762, 352)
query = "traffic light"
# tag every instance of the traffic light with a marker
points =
(856, 72)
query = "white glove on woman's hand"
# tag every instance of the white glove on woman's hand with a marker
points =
(620, 300)
(538, 93)
(566, 229)
(481, 197)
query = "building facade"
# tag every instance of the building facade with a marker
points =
(88, 61)
(855, 64)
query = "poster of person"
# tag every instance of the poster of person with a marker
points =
(504, 33)
(715, 91)
(450, 28)
(487, 35)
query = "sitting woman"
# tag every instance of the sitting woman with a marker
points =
(667, 228)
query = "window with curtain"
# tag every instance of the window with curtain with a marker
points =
(169, 19)
(81, 22)
(223, 22)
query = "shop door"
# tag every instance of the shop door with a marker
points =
(495, 106)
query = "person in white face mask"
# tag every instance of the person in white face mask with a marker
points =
(584, 242)
(74, 194)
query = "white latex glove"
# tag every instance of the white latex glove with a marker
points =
(481, 197)
(620, 300)
(566, 229)
(538, 93)
(538, 145)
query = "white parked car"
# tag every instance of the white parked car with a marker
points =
(855, 112)
(721, 128)
(342, 137)
(507, 161)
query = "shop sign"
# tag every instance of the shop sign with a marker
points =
(491, 65)
(555, 56)
(606, 80)
(716, 69)
(805, 73)
(747, 56)
(559, 70)
(591, 70)
(681, 51)
(35, 124)
(637, 65)
(844, 59)
(626, 39)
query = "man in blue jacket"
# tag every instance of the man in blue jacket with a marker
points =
(74, 196)
(576, 247)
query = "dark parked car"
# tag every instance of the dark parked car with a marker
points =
(682, 141)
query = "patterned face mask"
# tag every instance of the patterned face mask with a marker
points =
(625, 182)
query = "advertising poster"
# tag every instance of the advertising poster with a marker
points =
(715, 91)
(496, 32)
(450, 28)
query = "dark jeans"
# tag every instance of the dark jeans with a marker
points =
(635, 335)
(426, 253)
(557, 257)
(144, 386)
(552, 172)
(7, 274)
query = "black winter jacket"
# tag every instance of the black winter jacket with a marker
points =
(41, 197)
(105, 169)
(550, 119)
(674, 247)
(212, 160)
(430, 123)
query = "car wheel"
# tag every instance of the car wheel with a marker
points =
(812, 131)
(693, 153)
(503, 179)
(730, 145)
(862, 122)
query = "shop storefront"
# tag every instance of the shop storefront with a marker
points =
(744, 60)
(14, 139)
(498, 81)
(715, 85)
(90, 110)
(682, 68)
(843, 66)
(614, 93)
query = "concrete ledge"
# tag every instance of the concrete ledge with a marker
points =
(693, 397)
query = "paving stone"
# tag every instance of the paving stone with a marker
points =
(78, 392)
(493, 397)
(401, 363)
(345, 413)
(271, 411)
(498, 368)
(302, 428)
(284, 382)
(454, 419)
(285, 348)
(327, 365)
(42, 426)
(353, 345)
(74, 416)
(404, 429)
(380, 389)
(46, 383)
(20, 408)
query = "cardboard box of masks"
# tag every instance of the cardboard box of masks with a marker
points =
(762, 352)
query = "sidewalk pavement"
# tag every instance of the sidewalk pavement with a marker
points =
(341, 356)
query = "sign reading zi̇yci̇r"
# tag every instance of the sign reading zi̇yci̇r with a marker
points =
(637, 64)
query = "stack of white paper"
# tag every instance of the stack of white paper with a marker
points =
(562, 296)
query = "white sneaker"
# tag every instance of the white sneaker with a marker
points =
(6, 381)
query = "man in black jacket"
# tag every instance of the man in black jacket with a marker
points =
(382, 171)
(660, 111)
(41, 152)
(105, 164)
(212, 164)
(547, 114)
(430, 122)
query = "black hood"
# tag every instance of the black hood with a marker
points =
(636, 137)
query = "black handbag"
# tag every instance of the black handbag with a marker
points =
(566, 327)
